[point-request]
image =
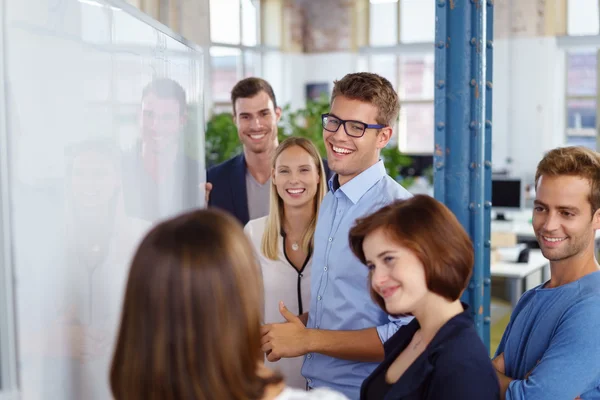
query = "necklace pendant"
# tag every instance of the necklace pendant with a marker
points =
(295, 246)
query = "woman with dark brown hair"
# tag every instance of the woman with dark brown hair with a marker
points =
(420, 260)
(191, 319)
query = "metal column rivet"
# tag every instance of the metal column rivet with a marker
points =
(440, 126)
(440, 84)
(472, 166)
(487, 243)
(487, 320)
(439, 166)
(441, 3)
(488, 84)
(473, 124)
(489, 44)
(473, 41)
(487, 281)
(490, 2)
(488, 164)
(473, 82)
(440, 44)
(488, 123)
(487, 204)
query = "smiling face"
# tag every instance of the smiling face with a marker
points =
(296, 177)
(562, 217)
(349, 156)
(397, 275)
(162, 122)
(256, 119)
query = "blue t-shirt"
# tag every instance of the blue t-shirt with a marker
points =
(560, 328)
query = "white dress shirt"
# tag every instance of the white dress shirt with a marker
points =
(282, 282)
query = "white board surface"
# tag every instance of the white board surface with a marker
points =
(102, 121)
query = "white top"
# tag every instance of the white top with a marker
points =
(316, 394)
(281, 281)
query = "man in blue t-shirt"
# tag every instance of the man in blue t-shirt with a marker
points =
(551, 347)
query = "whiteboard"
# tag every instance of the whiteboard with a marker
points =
(101, 118)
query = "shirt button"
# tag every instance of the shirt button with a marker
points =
(309, 355)
(317, 327)
(325, 269)
(309, 380)
(319, 298)
(330, 239)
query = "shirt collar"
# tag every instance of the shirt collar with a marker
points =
(356, 187)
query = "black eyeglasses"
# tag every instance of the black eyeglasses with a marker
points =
(353, 128)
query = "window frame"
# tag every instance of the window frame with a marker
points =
(259, 51)
(9, 380)
(569, 43)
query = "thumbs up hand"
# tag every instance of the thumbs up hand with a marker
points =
(284, 340)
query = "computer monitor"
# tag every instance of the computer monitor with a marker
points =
(507, 195)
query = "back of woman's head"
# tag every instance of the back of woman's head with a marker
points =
(191, 317)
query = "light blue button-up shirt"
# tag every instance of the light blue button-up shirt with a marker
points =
(340, 297)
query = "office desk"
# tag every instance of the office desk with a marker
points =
(516, 273)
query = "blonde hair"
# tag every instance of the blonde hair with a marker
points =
(270, 239)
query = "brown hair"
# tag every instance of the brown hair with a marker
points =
(191, 319)
(573, 161)
(431, 231)
(270, 239)
(373, 89)
(250, 87)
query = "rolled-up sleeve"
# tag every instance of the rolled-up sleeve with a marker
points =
(388, 330)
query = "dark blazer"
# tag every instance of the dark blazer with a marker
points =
(229, 186)
(455, 365)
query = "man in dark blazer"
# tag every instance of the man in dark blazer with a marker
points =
(241, 184)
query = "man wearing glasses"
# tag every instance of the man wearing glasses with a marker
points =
(343, 338)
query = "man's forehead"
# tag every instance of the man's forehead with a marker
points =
(563, 191)
(261, 101)
(155, 103)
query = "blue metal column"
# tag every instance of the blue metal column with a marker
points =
(462, 175)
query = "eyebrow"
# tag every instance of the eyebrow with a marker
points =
(564, 208)
(258, 112)
(382, 254)
(299, 166)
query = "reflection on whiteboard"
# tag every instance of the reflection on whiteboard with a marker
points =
(105, 136)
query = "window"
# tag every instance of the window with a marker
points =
(383, 22)
(226, 67)
(582, 17)
(236, 50)
(581, 97)
(417, 21)
(415, 89)
(406, 25)
(401, 21)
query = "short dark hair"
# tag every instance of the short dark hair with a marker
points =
(373, 89)
(167, 88)
(432, 232)
(573, 161)
(250, 87)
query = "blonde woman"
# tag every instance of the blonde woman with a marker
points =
(283, 239)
